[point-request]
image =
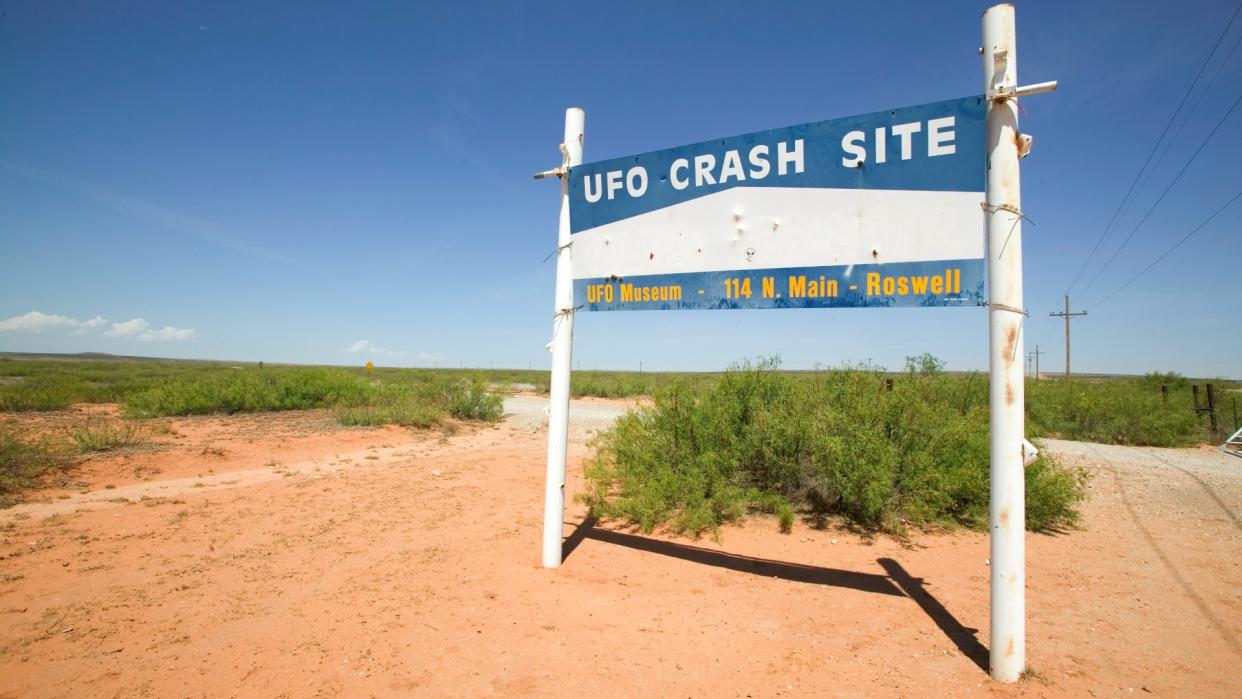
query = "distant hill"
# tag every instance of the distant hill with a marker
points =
(95, 356)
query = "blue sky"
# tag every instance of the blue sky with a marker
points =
(283, 181)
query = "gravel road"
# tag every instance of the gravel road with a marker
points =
(586, 415)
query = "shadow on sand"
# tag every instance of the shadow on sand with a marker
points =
(897, 581)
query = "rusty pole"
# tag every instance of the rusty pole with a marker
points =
(1007, 506)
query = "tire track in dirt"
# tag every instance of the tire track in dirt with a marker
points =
(1187, 589)
(1237, 523)
(176, 487)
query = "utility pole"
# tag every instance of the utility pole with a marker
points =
(1067, 315)
(1037, 353)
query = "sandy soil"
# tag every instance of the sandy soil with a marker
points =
(280, 555)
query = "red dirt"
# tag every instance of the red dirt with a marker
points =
(416, 573)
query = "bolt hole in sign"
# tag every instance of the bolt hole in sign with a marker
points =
(875, 210)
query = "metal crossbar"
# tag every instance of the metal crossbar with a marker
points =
(1233, 445)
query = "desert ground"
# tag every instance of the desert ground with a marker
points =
(281, 555)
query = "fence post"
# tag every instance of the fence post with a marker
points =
(562, 354)
(1007, 503)
(1211, 409)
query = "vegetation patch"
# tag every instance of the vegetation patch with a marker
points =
(1109, 410)
(147, 389)
(423, 404)
(106, 435)
(1117, 411)
(884, 451)
(247, 390)
(43, 393)
(24, 461)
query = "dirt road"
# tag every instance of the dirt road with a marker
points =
(281, 555)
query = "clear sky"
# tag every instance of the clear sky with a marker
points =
(337, 182)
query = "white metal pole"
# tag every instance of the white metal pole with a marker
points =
(1007, 508)
(562, 354)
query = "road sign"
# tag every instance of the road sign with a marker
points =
(875, 210)
(885, 209)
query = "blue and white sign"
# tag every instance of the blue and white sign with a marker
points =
(875, 210)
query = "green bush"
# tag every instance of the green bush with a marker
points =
(40, 393)
(1115, 411)
(842, 442)
(422, 404)
(413, 397)
(247, 390)
(469, 399)
(1053, 495)
(410, 413)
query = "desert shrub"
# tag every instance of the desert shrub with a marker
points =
(423, 403)
(106, 435)
(407, 412)
(925, 363)
(470, 400)
(1173, 380)
(39, 393)
(1114, 411)
(1053, 495)
(785, 516)
(23, 461)
(247, 390)
(842, 442)
(55, 384)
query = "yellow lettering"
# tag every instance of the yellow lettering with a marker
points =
(797, 286)
(873, 283)
(631, 293)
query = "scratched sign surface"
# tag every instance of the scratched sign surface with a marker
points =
(875, 210)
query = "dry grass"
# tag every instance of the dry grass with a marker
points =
(106, 435)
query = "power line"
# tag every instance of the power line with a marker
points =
(1166, 253)
(1154, 148)
(1207, 89)
(1044, 331)
(1162, 194)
